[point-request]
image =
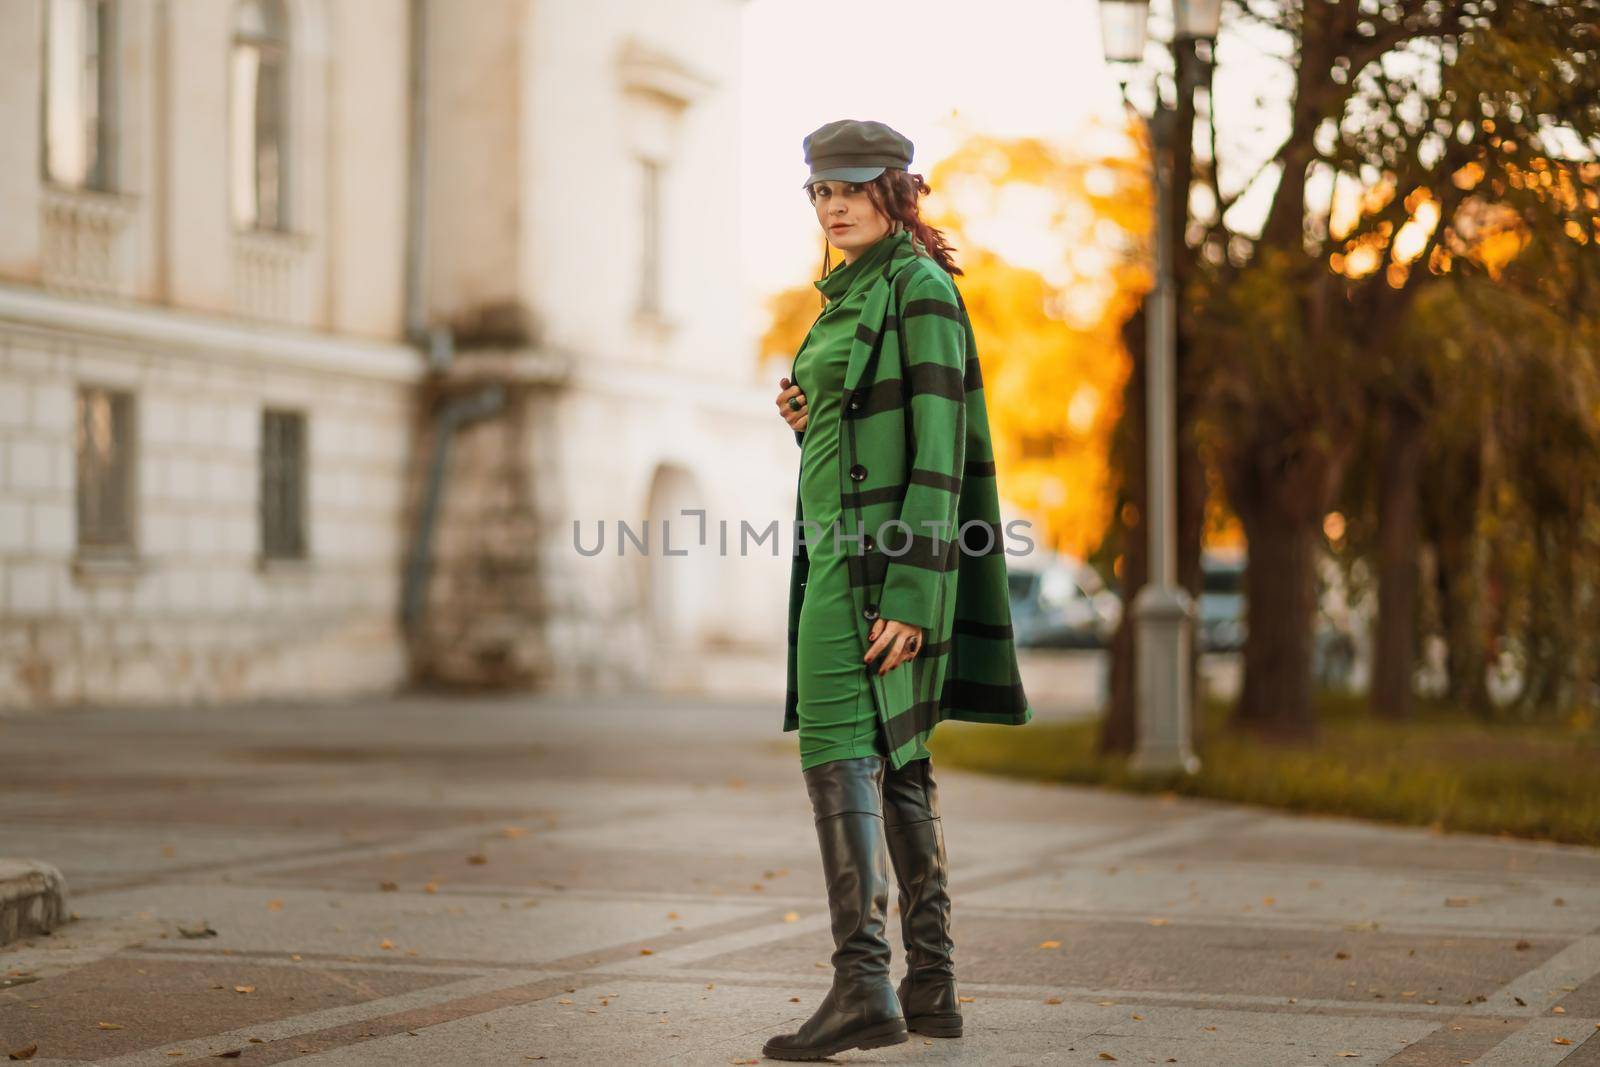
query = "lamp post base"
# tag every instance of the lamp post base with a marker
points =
(1164, 617)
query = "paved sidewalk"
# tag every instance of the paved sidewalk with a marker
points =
(603, 880)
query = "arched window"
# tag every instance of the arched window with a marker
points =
(260, 115)
(79, 92)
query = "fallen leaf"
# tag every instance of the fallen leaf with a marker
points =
(431, 887)
(1107, 1056)
(203, 930)
(1052, 1000)
(386, 943)
(244, 989)
(1560, 1041)
(647, 952)
(1049, 944)
(1524, 945)
(672, 915)
(26, 1052)
(794, 1000)
(110, 1026)
(1346, 1053)
(231, 1054)
(1158, 922)
(1341, 955)
(478, 858)
(389, 887)
(1457, 902)
(514, 831)
(791, 916)
(1559, 1010)
(965, 1000)
(564, 1000)
(274, 905)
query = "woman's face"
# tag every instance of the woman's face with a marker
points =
(847, 215)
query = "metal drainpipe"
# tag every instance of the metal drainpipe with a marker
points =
(458, 412)
(436, 343)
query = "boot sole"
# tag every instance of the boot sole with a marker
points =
(892, 1033)
(935, 1025)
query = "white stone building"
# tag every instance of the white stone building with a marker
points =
(260, 260)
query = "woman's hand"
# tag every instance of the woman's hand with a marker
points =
(902, 639)
(795, 419)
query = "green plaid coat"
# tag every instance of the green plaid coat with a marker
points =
(914, 446)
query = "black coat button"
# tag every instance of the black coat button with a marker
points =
(855, 403)
(858, 472)
(868, 543)
(870, 613)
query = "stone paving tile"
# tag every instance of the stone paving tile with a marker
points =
(434, 926)
(1323, 842)
(685, 1022)
(1332, 895)
(659, 844)
(535, 864)
(1544, 1042)
(112, 855)
(1210, 958)
(155, 1002)
(234, 810)
(1461, 1039)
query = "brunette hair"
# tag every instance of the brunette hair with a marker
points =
(895, 193)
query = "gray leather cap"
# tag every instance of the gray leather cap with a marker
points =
(854, 150)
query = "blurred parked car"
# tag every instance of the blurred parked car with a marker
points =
(1220, 615)
(1060, 602)
(1221, 620)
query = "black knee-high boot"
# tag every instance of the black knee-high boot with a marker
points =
(916, 847)
(861, 1009)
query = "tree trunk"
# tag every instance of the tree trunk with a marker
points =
(1192, 492)
(1119, 726)
(1399, 515)
(1281, 591)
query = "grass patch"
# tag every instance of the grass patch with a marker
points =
(1442, 769)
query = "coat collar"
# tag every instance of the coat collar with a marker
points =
(901, 252)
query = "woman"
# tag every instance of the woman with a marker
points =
(899, 615)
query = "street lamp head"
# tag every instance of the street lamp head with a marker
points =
(1196, 18)
(1122, 29)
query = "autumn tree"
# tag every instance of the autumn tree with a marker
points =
(1441, 114)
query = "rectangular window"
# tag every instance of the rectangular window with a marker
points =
(105, 443)
(79, 92)
(283, 484)
(259, 100)
(650, 258)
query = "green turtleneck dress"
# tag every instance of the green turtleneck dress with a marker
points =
(838, 718)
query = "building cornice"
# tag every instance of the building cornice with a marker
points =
(220, 338)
